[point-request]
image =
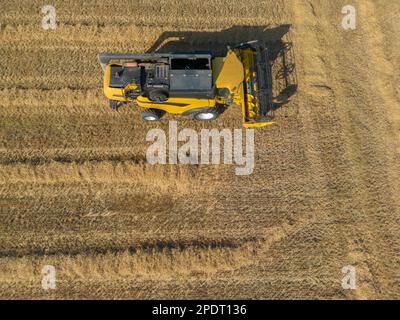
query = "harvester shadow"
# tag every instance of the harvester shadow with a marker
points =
(276, 38)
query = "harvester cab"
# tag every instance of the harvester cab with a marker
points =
(196, 84)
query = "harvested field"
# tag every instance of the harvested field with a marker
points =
(76, 191)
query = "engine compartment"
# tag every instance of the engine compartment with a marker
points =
(164, 77)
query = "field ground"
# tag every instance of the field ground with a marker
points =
(76, 192)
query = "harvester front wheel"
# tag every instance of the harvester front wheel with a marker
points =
(206, 115)
(114, 104)
(152, 114)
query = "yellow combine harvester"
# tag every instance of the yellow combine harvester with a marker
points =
(196, 84)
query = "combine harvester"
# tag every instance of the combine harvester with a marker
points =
(196, 84)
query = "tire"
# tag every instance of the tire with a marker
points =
(114, 104)
(206, 115)
(158, 95)
(152, 114)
